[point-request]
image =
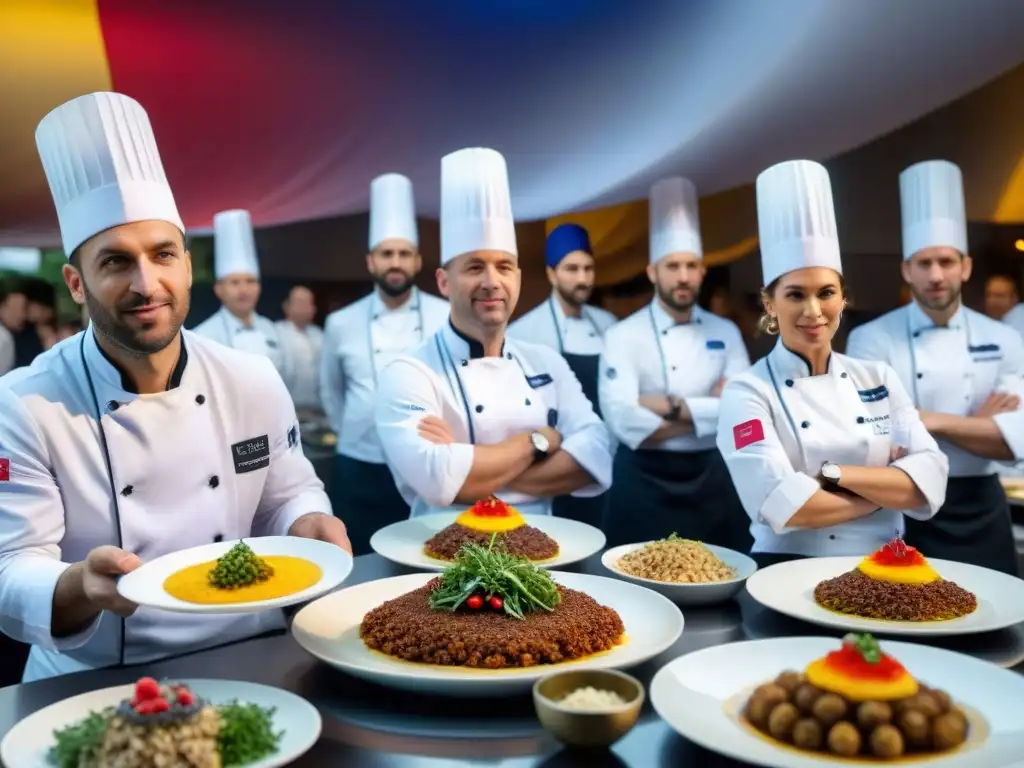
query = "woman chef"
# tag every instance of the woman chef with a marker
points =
(133, 439)
(826, 451)
(470, 413)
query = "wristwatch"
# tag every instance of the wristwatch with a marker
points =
(677, 408)
(831, 474)
(541, 446)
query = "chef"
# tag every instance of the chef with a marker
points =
(962, 369)
(469, 413)
(237, 286)
(301, 344)
(826, 451)
(133, 439)
(567, 324)
(662, 370)
(1002, 302)
(358, 341)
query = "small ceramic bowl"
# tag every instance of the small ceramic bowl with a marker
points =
(588, 728)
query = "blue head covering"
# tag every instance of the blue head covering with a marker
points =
(563, 240)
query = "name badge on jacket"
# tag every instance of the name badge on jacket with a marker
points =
(712, 344)
(873, 395)
(539, 380)
(250, 455)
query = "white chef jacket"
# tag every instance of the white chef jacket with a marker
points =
(484, 400)
(778, 425)
(648, 353)
(217, 456)
(950, 369)
(260, 338)
(1015, 318)
(548, 324)
(359, 340)
(6, 350)
(301, 349)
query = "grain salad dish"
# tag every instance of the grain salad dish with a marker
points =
(491, 610)
(895, 583)
(492, 519)
(166, 725)
(676, 561)
(858, 701)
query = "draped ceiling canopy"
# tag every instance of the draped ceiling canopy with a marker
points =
(289, 109)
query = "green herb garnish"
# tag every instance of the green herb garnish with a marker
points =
(521, 585)
(866, 645)
(239, 567)
(78, 743)
(246, 733)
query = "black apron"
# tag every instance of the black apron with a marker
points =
(973, 526)
(585, 510)
(656, 493)
(366, 499)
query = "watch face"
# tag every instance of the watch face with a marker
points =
(540, 442)
(830, 472)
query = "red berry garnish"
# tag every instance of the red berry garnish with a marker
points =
(475, 602)
(496, 602)
(185, 697)
(160, 705)
(147, 688)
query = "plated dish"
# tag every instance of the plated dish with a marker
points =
(238, 576)
(824, 701)
(688, 572)
(892, 591)
(172, 724)
(489, 624)
(430, 542)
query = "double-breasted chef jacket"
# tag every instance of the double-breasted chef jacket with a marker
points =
(301, 349)
(778, 425)
(217, 456)
(260, 338)
(483, 400)
(953, 369)
(680, 484)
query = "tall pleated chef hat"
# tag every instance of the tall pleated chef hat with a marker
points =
(392, 210)
(234, 245)
(23, 260)
(476, 204)
(932, 207)
(103, 167)
(674, 219)
(796, 219)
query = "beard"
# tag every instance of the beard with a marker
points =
(937, 305)
(130, 339)
(577, 296)
(394, 290)
(669, 299)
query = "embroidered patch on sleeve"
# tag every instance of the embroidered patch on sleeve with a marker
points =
(5, 470)
(293, 436)
(748, 433)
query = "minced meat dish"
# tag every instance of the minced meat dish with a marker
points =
(408, 628)
(524, 541)
(859, 595)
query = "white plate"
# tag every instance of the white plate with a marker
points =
(789, 588)
(329, 629)
(26, 745)
(145, 585)
(402, 542)
(700, 694)
(689, 594)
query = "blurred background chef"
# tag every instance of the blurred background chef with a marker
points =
(567, 324)
(359, 340)
(663, 369)
(301, 347)
(826, 451)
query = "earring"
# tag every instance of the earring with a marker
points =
(772, 326)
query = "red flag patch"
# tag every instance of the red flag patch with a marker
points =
(5, 470)
(747, 433)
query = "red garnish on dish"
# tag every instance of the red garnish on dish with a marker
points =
(496, 603)
(152, 706)
(492, 507)
(184, 697)
(897, 553)
(861, 658)
(475, 602)
(147, 688)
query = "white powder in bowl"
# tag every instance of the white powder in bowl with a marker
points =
(592, 698)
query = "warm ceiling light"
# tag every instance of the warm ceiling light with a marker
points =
(1019, 245)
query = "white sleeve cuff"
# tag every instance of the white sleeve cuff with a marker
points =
(594, 459)
(1011, 426)
(703, 414)
(787, 499)
(284, 517)
(454, 473)
(929, 472)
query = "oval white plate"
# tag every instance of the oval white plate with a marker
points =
(402, 542)
(789, 588)
(689, 594)
(145, 585)
(26, 745)
(692, 692)
(329, 629)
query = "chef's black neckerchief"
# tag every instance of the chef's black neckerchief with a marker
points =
(126, 381)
